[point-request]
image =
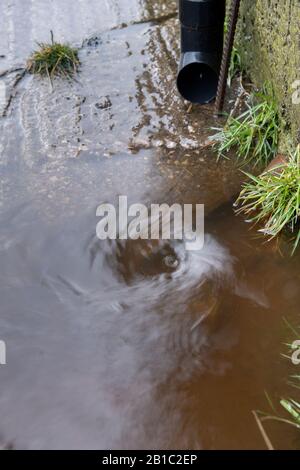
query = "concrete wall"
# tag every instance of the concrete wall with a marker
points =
(269, 42)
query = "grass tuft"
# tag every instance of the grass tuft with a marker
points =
(273, 198)
(293, 408)
(53, 59)
(290, 405)
(235, 66)
(255, 133)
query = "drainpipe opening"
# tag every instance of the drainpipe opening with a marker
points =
(202, 31)
(197, 82)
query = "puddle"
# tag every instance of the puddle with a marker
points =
(125, 344)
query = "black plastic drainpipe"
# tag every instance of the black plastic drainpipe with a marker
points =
(202, 32)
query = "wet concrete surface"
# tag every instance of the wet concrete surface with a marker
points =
(108, 345)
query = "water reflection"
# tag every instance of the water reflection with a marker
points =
(132, 344)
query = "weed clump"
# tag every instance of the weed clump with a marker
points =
(53, 59)
(273, 198)
(255, 133)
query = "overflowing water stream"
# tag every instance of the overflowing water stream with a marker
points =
(126, 344)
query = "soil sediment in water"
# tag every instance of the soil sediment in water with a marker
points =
(125, 344)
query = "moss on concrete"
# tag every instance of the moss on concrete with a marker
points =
(269, 43)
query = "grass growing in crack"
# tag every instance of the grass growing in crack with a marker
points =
(235, 66)
(54, 59)
(273, 198)
(255, 133)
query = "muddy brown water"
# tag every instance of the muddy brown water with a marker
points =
(109, 345)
